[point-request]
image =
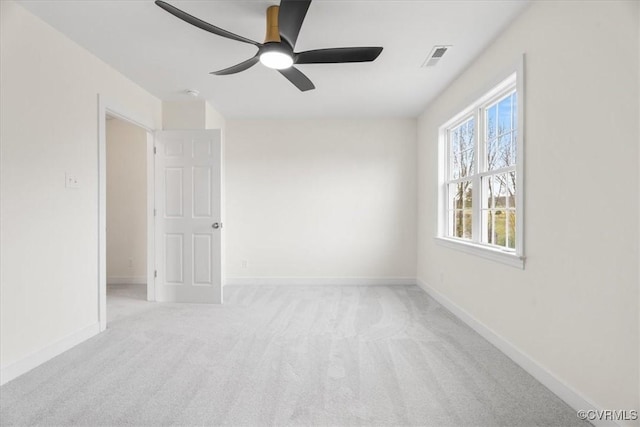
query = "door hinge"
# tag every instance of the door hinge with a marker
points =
(155, 273)
(155, 150)
(155, 212)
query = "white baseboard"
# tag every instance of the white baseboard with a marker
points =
(315, 281)
(15, 369)
(564, 391)
(126, 280)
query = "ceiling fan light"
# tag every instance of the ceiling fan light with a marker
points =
(276, 60)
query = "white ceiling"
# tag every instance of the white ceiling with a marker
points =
(166, 56)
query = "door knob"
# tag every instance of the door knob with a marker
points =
(216, 225)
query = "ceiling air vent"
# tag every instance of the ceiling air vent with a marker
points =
(435, 55)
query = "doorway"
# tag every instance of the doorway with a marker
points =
(126, 221)
(108, 111)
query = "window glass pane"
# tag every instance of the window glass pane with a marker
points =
(467, 195)
(456, 225)
(514, 148)
(511, 188)
(500, 189)
(499, 133)
(514, 110)
(454, 150)
(499, 227)
(514, 137)
(492, 153)
(495, 227)
(504, 116)
(511, 221)
(468, 135)
(509, 153)
(487, 226)
(451, 222)
(461, 160)
(501, 152)
(496, 191)
(460, 205)
(461, 143)
(453, 197)
(461, 223)
(454, 143)
(460, 195)
(491, 122)
(467, 223)
(498, 209)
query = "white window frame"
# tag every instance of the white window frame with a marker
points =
(513, 78)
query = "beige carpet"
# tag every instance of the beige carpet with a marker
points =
(278, 356)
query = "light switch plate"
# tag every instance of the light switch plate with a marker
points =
(71, 181)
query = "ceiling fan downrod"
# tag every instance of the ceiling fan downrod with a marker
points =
(273, 31)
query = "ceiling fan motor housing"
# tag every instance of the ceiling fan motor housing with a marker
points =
(275, 53)
(272, 41)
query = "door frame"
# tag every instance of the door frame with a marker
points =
(108, 106)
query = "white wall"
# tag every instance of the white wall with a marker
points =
(574, 308)
(320, 198)
(191, 114)
(188, 114)
(49, 126)
(126, 202)
(213, 119)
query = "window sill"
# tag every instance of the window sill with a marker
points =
(508, 258)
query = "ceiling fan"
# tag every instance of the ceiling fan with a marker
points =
(283, 26)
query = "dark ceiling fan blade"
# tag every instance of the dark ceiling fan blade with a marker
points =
(244, 65)
(296, 77)
(290, 19)
(202, 24)
(338, 55)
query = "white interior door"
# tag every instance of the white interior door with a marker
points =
(188, 223)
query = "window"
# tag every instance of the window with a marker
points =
(481, 176)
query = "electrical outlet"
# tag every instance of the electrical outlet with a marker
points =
(244, 263)
(71, 181)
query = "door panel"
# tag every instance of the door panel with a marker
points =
(174, 260)
(188, 247)
(173, 190)
(202, 192)
(202, 256)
